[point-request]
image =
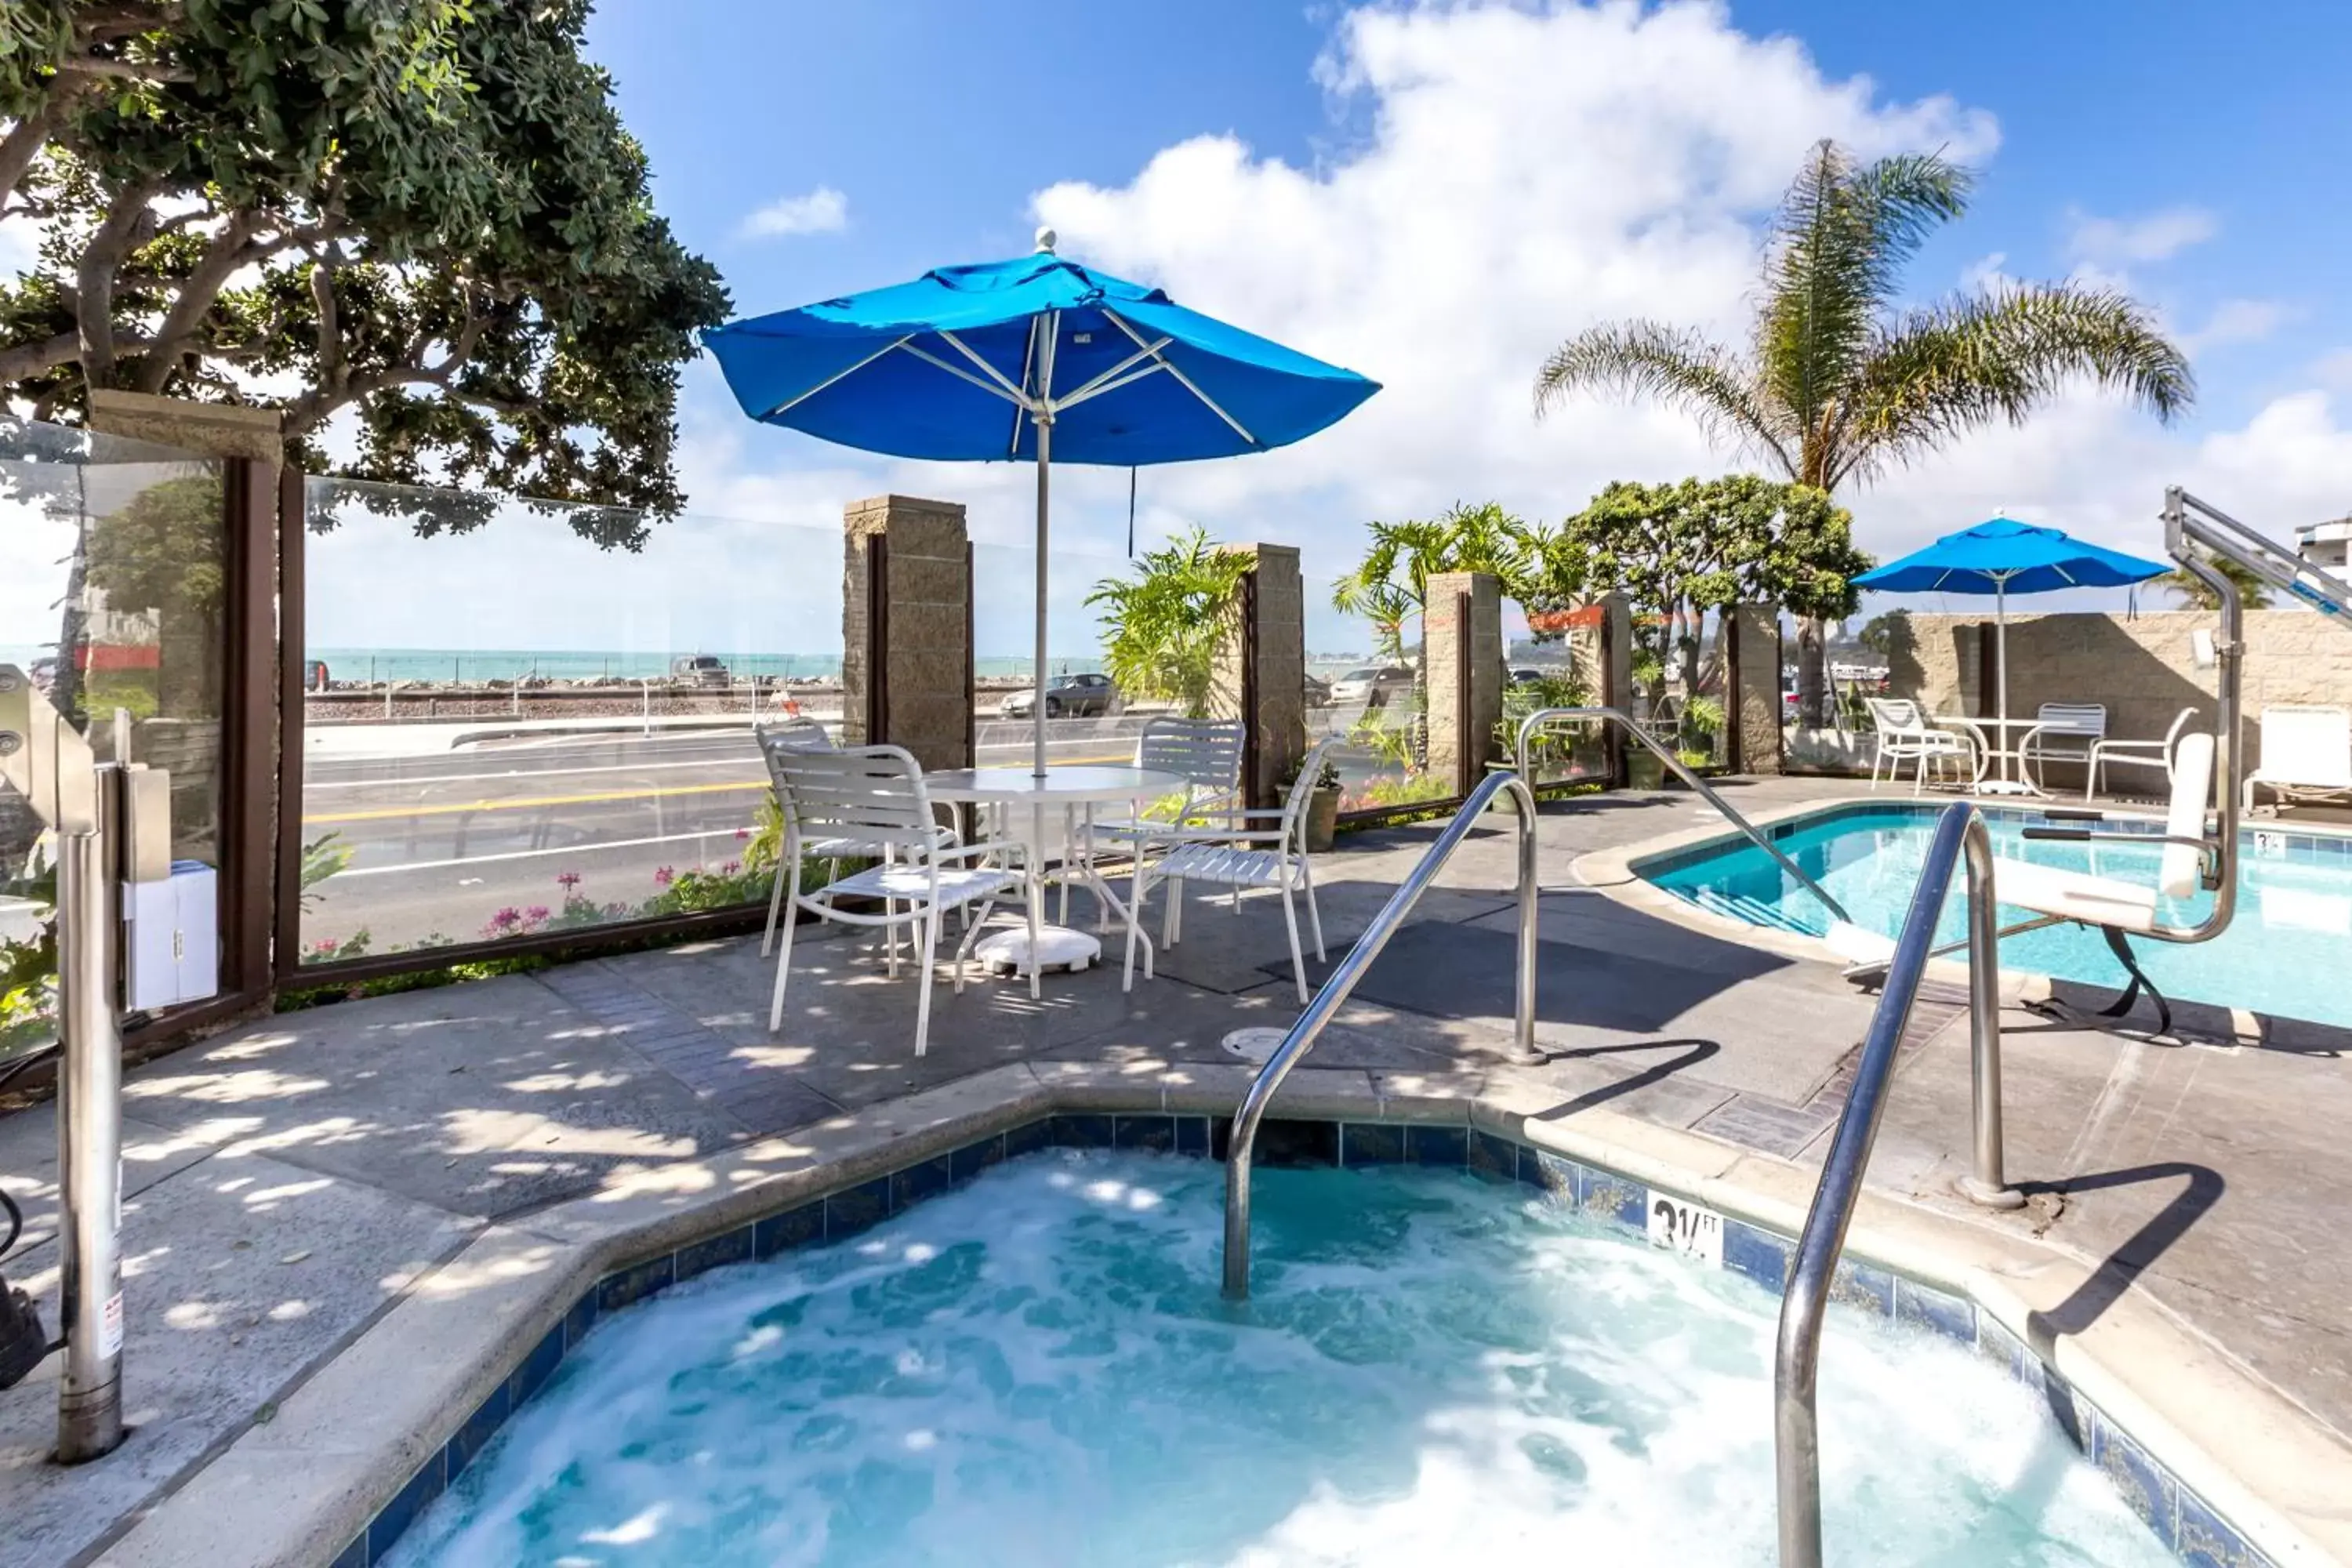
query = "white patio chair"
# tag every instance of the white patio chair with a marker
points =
(2114, 908)
(1207, 754)
(2133, 754)
(874, 795)
(2306, 754)
(807, 735)
(1904, 735)
(1231, 857)
(2062, 733)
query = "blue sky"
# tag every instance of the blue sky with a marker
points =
(1435, 195)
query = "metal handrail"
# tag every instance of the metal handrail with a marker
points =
(1699, 786)
(1797, 1455)
(1350, 969)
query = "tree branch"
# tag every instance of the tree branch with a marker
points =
(94, 280)
(27, 138)
(203, 285)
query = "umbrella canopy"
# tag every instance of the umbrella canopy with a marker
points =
(2006, 556)
(1035, 359)
(937, 367)
(2002, 557)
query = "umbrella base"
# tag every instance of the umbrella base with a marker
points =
(1058, 947)
(2003, 786)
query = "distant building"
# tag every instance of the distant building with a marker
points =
(2326, 545)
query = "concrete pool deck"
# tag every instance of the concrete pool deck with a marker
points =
(296, 1186)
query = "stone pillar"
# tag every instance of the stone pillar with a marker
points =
(905, 618)
(1616, 689)
(1261, 674)
(1462, 633)
(1753, 666)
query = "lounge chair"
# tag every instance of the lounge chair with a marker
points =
(2135, 753)
(2306, 754)
(2118, 910)
(874, 795)
(2062, 733)
(1904, 735)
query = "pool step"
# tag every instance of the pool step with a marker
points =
(1754, 911)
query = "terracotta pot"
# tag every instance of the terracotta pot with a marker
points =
(1322, 819)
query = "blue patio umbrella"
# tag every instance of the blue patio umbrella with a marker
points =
(1038, 359)
(2004, 556)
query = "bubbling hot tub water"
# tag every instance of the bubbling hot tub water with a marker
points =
(1037, 1369)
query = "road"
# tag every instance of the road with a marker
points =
(437, 845)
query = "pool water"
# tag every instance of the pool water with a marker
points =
(2283, 955)
(1037, 1370)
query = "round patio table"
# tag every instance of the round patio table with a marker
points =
(1065, 789)
(2005, 752)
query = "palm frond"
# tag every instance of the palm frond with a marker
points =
(1970, 361)
(1681, 369)
(1834, 263)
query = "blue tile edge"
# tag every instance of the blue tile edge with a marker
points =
(2195, 1532)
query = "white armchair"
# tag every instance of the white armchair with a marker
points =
(1905, 735)
(2105, 752)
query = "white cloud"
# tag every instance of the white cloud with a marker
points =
(1526, 170)
(2334, 369)
(2115, 242)
(822, 211)
(2237, 321)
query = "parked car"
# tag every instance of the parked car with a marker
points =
(1318, 692)
(700, 670)
(1373, 686)
(1066, 696)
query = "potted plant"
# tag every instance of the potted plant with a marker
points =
(1322, 807)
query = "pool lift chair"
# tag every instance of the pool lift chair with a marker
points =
(2205, 768)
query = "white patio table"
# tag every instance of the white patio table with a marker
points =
(2006, 752)
(1029, 801)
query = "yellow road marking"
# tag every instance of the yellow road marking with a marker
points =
(536, 802)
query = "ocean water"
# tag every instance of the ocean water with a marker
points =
(1037, 1371)
(2282, 955)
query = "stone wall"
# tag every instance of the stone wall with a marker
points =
(926, 681)
(1278, 684)
(1462, 739)
(1754, 710)
(2143, 668)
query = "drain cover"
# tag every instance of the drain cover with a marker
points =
(1255, 1046)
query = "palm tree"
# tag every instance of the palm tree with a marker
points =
(1841, 380)
(2253, 589)
(1390, 585)
(1163, 625)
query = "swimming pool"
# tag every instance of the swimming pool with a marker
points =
(2284, 954)
(1036, 1369)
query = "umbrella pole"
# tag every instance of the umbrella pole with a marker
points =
(1044, 423)
(2000, 658)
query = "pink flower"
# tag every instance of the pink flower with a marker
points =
(665, 877)
(506, 918)
(535, 914)
(730, 869)
(742, 835)
(567, 880)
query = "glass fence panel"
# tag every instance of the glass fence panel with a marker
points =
(1088, 718)
(1368, 689)
(523, 717)
(113, 579)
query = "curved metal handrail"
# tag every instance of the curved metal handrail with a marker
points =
(1350, 969)
(1796, 1439)
(1699, 786)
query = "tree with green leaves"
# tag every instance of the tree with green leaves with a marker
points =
(421, 216)
(1840, 379)
(1164, 623)
(2253, 589)
(1681, 550)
